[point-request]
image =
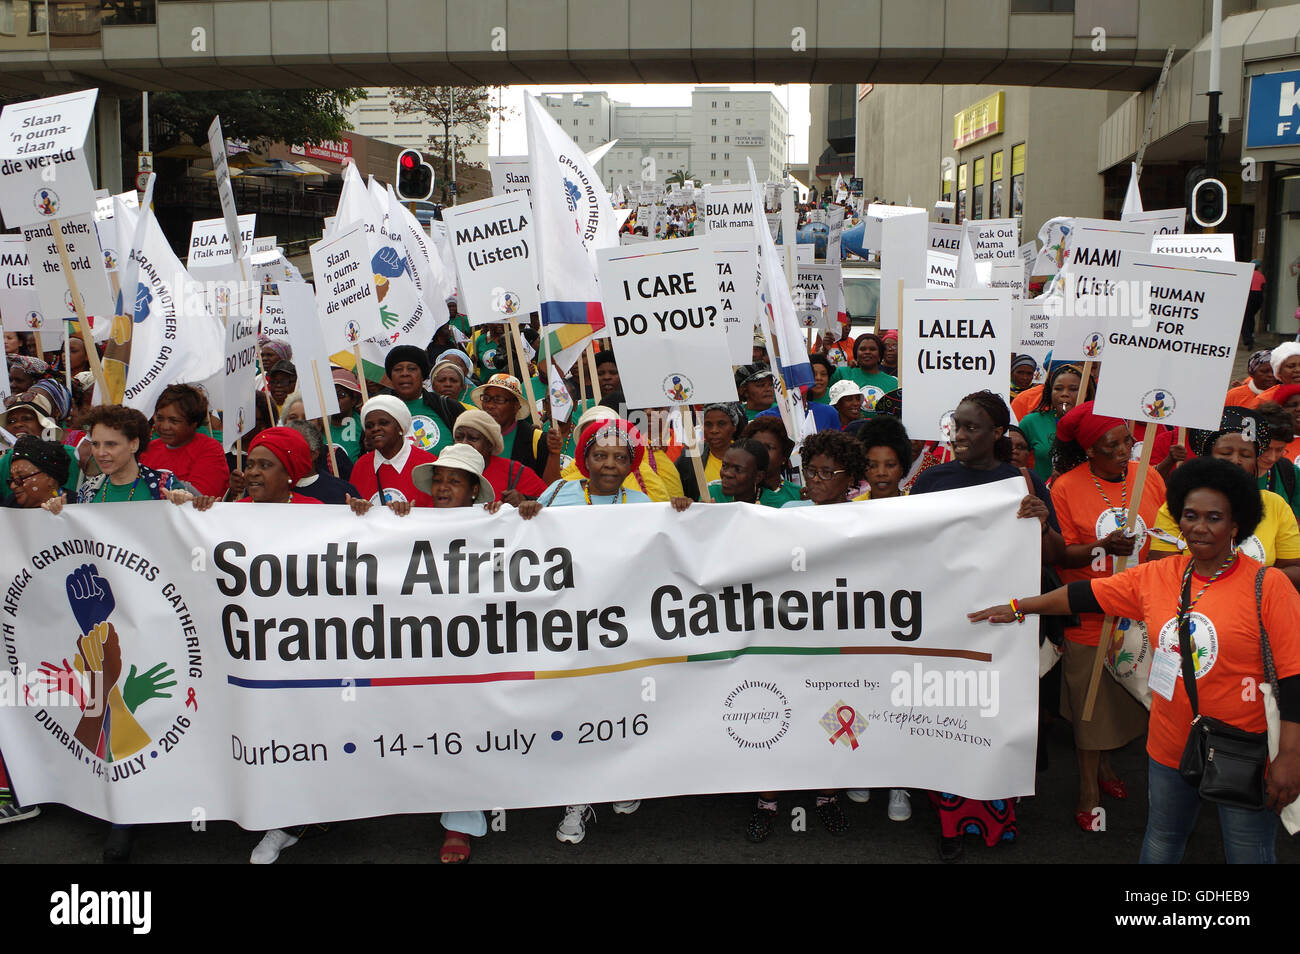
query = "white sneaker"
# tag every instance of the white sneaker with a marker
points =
(269, 848)
(859, 795)
(10, 812)
(900, 805)
(573, 826)
(626, 808)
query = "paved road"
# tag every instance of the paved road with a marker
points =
(706, 829)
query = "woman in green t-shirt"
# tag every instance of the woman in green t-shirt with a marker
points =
(770, 432)
(875, 384)
(1059, 395)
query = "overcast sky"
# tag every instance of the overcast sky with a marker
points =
(512, 137)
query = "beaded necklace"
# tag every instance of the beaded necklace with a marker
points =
(103, 491)
(1186, 611)
(586, 493)
(1121, 512)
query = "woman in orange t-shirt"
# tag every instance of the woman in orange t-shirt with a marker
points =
(1091, 497)
(1218, 506)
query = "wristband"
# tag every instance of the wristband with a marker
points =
(1017, 612)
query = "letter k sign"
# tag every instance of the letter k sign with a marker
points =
(1288, 99)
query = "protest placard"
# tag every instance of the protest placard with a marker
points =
(945, 238)
(728, 211)
(1036, 322)
(210, 245)
(1174, 363)
(994, 240)
(835, 236)
(310, 353)
(509, 174)
(1094, 249)
(239, 390)
(817, 296)
(1220, 248)
(345, 289)
(273, 323)
(902, 262)
(662, 305)
(86, 260)
(751, 657)
(952, 344)
(496, 264)
(43, 169)
(940, 270)
(225, 193)
(738, 289)
(1162, 221)
(20, 309)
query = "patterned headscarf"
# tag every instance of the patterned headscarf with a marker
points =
(1236, 420)
(732, 409)
(32, 367)
(277, 347)
(59, 397)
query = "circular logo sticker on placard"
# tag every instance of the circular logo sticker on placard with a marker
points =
(947, 427)
(1158, 403)
(47, 202)
(34, 320)
(678, 387)
(1092, 345)
(508, 304)
(351, 331)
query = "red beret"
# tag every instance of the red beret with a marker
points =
(290, 449)
(1084, 427)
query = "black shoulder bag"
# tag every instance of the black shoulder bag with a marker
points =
(1226, 764)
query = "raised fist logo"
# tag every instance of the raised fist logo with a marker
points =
(90, 597)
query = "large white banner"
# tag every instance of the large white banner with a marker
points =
(495, 258)
(1174, 361)
(953, 343)
(662, 306)
(353, 667)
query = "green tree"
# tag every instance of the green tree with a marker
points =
(254, 116)
(462, 115)
(681, 177)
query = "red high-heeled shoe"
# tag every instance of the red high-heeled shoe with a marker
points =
(1084, 820)
(1114, 788)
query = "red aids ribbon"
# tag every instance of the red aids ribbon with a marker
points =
(846, 725)
(193, 703)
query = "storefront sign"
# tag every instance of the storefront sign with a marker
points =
(979, 121)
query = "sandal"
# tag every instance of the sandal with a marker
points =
(455, 849)
(761, 824)
(832, 816)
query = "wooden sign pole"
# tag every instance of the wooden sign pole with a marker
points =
(524, 384)
(697, 457)
(96, 366)
(325, 418)
(1121, 564)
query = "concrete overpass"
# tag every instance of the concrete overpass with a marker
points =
(238, 44)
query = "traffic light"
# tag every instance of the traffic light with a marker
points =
(414, 176)
(1209, 203)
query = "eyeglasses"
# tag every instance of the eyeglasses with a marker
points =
(815, 473)
(496, 399)
(19, 481)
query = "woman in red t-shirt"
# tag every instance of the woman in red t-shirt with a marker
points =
(194, 458)
(1214, 588)
(1091, 498)
(511, 481)
(383, 476)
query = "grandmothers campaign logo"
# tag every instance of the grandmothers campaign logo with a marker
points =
(108, 692)
(756, 714)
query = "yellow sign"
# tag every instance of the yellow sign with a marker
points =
(979, 172)
(961, 176)
(997, 165)
(1018, 160)
(979, 121)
